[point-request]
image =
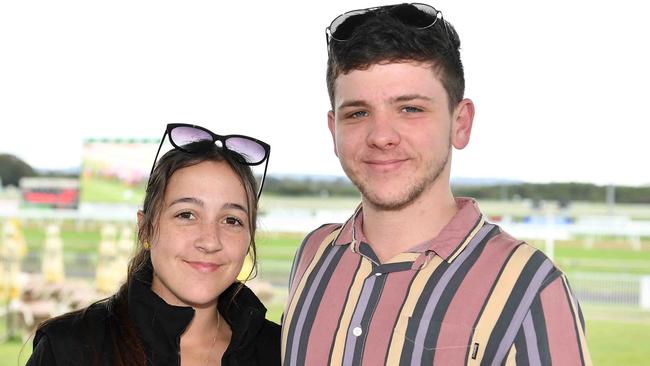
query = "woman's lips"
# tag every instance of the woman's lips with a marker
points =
(203, 267)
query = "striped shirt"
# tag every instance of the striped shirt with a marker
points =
(472, 295)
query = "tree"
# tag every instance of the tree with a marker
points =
(12, 169)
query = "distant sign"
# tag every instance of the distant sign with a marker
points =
(50, 192)
(116, 170)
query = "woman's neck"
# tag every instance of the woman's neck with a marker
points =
(206, 338)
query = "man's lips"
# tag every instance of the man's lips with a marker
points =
(203, 267)
(385, 161)
(385, 164)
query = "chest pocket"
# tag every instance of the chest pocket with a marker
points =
(447, 342)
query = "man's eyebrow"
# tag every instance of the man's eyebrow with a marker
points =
(410, 97)
(397, 99)
(353, 103)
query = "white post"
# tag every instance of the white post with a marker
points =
(635, 240)
(644, 298)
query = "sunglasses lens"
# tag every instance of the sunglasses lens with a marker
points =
(250, 150)
(190, 138)
(414, 15)
(343, 27)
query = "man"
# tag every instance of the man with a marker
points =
(415, 276)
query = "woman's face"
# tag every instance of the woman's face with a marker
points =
(203, 235)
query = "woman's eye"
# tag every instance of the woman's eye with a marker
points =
(186, 215)
(231, 220)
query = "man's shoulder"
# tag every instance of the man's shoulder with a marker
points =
(522, 252)
(316, 237)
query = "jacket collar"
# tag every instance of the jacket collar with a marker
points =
(161, 325)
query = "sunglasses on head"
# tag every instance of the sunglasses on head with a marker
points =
(417, 15)
(192, 139)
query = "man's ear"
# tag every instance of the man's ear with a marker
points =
(461, 128)
(331, 124)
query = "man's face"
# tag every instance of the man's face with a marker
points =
(393, 132)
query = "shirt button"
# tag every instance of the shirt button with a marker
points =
(357, 331)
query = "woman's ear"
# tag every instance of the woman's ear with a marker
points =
(140, 223)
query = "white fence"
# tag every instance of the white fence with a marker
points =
(611, 289)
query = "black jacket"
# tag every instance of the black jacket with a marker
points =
(77, 338)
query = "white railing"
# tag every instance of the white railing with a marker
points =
(611, 289)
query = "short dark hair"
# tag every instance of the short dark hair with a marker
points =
(384, 39)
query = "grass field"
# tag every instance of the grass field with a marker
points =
(617, 335)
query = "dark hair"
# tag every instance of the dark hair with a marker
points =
(127, 347)
(383, 39)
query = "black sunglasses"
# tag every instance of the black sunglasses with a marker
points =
(417, 15)
(192, 139)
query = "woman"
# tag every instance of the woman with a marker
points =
(181, 303)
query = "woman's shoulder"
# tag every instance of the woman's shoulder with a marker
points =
(72, 336)
(75, 323)
(268, 342)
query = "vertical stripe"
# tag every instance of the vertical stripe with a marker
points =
(511, 360)
(383, 324)
(537, 315)
(311, 305)
(500, 293)
(321, 337)
(336, 358)
(578, 322)
(299, 326)
(433, 299)
(562, 338)
(309, 252)
(524, 304)
(292, 300)
(471, 296)
(531, 341)
(413, 295)
(359, 311)
(290, 338)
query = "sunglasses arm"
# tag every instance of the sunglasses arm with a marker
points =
(162, 139)
(266, 165)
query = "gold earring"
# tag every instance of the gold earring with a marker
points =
(146, 245)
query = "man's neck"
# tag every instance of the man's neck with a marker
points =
(394, 232)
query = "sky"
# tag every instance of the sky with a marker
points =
(560, 87)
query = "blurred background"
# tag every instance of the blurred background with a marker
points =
(557, 156)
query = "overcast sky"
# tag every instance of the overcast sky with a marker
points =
(560, 87)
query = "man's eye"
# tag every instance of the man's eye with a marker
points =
(411, 109)
(186, 215)
(359, 114)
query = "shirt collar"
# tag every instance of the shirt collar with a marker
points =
(447, 244)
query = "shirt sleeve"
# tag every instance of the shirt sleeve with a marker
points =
(553, 331)
(42, 353)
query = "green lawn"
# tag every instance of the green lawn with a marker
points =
(105, 190)
(614, 343)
